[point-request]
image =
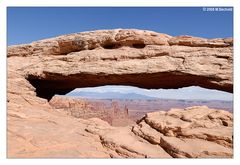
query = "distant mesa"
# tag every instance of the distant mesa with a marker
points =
(110, 95)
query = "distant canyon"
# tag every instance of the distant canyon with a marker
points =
(114, 110)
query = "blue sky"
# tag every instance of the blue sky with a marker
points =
(29, 24)
(25, 25)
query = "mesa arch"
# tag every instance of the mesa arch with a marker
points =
(126, 57)
(140, 58)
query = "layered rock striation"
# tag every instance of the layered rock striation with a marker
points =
(124, 57)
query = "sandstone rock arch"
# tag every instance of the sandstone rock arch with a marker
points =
(126, 57)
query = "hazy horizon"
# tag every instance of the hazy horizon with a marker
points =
(186, 93)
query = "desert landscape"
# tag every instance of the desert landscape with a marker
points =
(123, 112)
(42, 123)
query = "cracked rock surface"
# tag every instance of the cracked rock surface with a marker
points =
(192, 132)
(39, 70)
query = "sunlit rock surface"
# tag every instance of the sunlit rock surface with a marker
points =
(147, 59)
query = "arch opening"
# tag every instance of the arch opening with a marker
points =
(125, 105)
(51, 84)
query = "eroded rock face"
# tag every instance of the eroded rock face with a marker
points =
(125, 57)
(41, 69)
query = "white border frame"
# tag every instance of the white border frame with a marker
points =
(168, 3)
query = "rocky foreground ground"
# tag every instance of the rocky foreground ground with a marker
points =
(191, 133)
(39, 70)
